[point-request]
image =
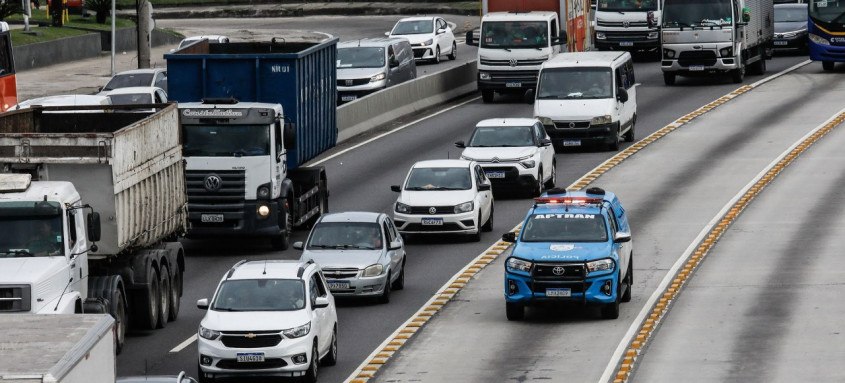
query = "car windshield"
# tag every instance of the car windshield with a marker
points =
(260, 295)
(790, 14)
(128, 99)
(129, 79)
(360, 57)
(627, 5)
(346, 235)
(439, 179)
(575, 83)
(31, 229)
(226, 140)
(514, 34)
(500, 136)
(415, 27)
(828, 11)
(565, 227)
(696, 13)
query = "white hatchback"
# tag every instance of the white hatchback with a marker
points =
(430, 36)
(268, 318)
(444, 196)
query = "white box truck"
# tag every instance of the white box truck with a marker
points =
(57, 349)
(92, 200)
(630, 25)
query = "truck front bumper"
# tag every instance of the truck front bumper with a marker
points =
(244, 222)
(524, 289)
(689, 61)
(594, 134)
(507, 81)
(625, 40)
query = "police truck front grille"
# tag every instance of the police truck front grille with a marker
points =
(340, 273)
(437, 210)
(250, 340)
(353, 82)
(206, 196)
(559, 271)
(15, 298)
(690, 58)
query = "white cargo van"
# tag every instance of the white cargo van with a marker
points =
(587, 98)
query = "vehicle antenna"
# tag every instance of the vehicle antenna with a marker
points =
(265, 268)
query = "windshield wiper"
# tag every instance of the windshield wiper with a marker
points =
(226, 309)
(324, 246)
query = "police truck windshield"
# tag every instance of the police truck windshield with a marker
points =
(565, 227)
(226, 140)
(514, 34)
(627, 5)
(696, 13)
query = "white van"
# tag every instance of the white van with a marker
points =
(587, 98)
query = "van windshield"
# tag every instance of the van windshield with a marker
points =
(360, 57)
(575, 83)
(514, 34)
(226, 140)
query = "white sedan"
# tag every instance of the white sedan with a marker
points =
(444, 196)
(137, 95)
(430, 36)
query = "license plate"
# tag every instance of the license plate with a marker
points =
(571, 142)
(696, 68)
(251, 357)
(558, 292)
(781, 42)
(338, 285)
(348, 98)
(626, 43)
(211, 218)
(495, 174)
(513, 85)
(432, 221)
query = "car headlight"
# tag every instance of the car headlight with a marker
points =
(668, 53)
(519, 265)
(208, 334)
(726, 51)
(378, 77)
(402, 208)
(373, 270)
(429, 42)
(600, 36)
(653, 35)
(600, 265)
(818, 39)
(484, 75)
(546, 121)
(297, 332)
(602, 120)
(528, 164)
(465, 207)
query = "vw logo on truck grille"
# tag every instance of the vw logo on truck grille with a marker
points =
(558, 270)
(213, 183)
(626, 24)
(513, 62)
(432, 210)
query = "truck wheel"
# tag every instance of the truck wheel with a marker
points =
(175, 294)
(282, 241)
(385, 295)
(827, 65)
(164, 296)
(454, 54)
(614, 143)
(738, 75)
(487, 96)
(611, 310)
(669, 78)
(553, 179)
(118, 312)
(147, 304)
(759, 67)
(514, 311)
(630, 135)
(629, 280)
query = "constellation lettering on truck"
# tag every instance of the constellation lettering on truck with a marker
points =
(565, 216)
(212, 113)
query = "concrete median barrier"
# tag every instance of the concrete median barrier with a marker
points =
(369, 112)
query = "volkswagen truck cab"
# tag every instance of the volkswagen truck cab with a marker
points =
(588, 98)
(574, 247)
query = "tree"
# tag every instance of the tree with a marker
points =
(9, 7)
(102, 7)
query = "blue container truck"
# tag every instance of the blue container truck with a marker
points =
(251, 114)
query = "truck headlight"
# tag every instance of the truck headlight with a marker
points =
(263, 211)
(653, 35)
(402, 208)
(818, 39)
(516, 264)
(546, 121)
(600, 36)
(600, 265)
(298, 332)
(528, 164)
(208, 334)
(484, 75)
(726, 52)
(602, 120)
(668, 53)
(373, 270)
(378, 77)
(465, 207)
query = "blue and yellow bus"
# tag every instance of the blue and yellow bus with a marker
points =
(827, 31)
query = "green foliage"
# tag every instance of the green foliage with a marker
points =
(9, 7)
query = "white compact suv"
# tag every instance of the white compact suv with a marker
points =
(515, 153)
(431, 37)
(444, 196)
(268, 318)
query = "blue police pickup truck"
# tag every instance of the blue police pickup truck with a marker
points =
(574, 247)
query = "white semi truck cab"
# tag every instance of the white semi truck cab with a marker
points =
(632, 25)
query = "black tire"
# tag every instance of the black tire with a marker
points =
(759, 66)
(164, 297)
(538, 186)
(118, 312)
(313, 368)
(614, 145)
(331, 357)
(611, 310)
(282, 241)
(488, 96)
(669, 78)
(550, 184)
(175, 294)
(476, 237)
(384, 298)
(514, 311)
(738, 75)
(828, 65)
(629, 280)
(437, 54)
(629, 136)
(145, 315)
(454, 54)
(488, 226)
(201, 378)
(399, 284)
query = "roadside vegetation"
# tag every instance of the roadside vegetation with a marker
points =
(39, 23)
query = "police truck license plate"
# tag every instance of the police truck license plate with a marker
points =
(348, 98)
(495, 174)
(432, 221)
(571, 142)
(696, 68)
(513, 85)
(250, 357)
(626, 43)
(780, 42)
(338, 285)
(211, 218)
(558, 292)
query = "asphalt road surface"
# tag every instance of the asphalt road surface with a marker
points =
(360, 179)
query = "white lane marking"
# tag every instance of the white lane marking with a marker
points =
(356, 146)
(670, 275)
(184, 344)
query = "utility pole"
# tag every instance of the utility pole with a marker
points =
(113, 16)
(27, 13)
(144, 33)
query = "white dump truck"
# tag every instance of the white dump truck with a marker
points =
(57, 349)
(92, 200)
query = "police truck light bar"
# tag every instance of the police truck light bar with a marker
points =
(567, 201)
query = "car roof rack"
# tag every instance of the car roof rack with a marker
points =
(302, 268)
(232, 270)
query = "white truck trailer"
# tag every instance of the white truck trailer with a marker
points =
(57, 349)
(92, 200)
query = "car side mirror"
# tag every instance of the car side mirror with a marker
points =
(622, 95)
(622, 237)
(298, 245)
(387, 33)
(202, 304)
(396, 188)
(94, 226)
(470, 39)
(321, 302)
(395, 245)
(441, 31)
(460, 144)
(484, 187)
(509, 237)
(545, 142)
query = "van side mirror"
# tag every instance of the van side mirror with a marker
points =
(460, 144)
(202, 304)
(469, 40)
(290, 135)
(393, 62)
(396, 188)
(622, 95)
(621, 237)
(509, 237)
(93, 226)
(321, 302)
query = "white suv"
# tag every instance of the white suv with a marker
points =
(444, 196)
(515, 153)
(268, 318)
(430, 37)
